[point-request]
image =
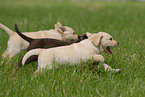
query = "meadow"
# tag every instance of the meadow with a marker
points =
(125, 21)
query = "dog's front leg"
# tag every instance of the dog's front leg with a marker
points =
(100, 59)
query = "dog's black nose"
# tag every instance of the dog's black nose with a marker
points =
(118, 43)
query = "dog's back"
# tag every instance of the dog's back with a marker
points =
(48, 43)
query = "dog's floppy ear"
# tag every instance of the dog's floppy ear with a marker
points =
(59, 28)
(96, 39)
(88, 34)
(59, 24)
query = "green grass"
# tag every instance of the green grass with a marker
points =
(124, 21)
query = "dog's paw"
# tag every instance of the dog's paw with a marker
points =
(117, 70)
(112, 70)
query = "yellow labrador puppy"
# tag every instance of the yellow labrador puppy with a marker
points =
(16, 43)
(87, 49)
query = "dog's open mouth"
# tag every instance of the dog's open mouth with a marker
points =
(108, 50)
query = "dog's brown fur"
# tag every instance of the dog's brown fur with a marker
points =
(44, 43)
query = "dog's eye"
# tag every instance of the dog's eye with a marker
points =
(110, 39)
(62, 29)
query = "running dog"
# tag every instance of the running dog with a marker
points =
(44, 43)
(88, 49)
(16, 43)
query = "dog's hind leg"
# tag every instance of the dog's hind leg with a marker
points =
(4, 56)
(5, 53)
(42, 67)
(35, 73)
(12, 53)
(33, 58)
(8, 54)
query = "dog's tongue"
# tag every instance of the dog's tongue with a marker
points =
(108, 50)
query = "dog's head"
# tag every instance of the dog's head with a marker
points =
(67, 33)
(103, 40)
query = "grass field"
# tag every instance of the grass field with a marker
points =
(125, 21)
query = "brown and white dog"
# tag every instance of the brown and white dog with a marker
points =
(16, 43)
(88, 49)
(44, 43)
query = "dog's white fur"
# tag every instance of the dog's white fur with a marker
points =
(88, 49)
(16, 43)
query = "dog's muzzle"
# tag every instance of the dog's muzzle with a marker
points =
(108, 50)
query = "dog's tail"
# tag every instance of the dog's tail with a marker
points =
(22, 35)
(9, 31)
(30, 53)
